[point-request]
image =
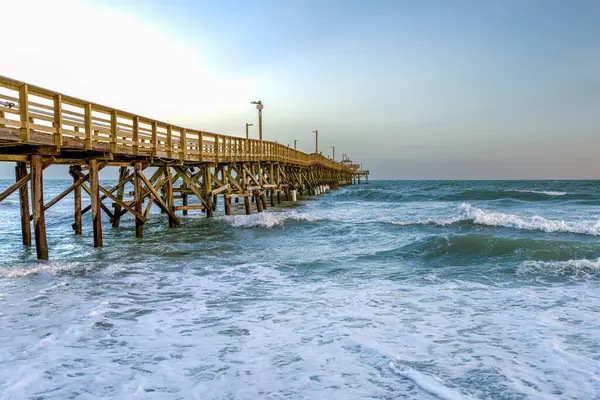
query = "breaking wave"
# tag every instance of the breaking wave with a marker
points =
(515, 194)
(573, 268)
(430, 384)
(47, 269)
(394, 196)
(483, 246)
(268, 219)
(478, 216)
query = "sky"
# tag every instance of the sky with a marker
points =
(496, 89)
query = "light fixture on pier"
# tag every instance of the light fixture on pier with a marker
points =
(247, 125)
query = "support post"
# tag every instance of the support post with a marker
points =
(245, 186)
(137, 190)
(21, 172)
(259, 203)
(95, 196)
(169, 197)
(263, 198)
(207, 189)
(37, 194)
(122, 175)
(24, 114)
(226, 200)
(184, 197)
(77, 202)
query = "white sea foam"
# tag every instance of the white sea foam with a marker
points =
(549, 193)
(494, 218)
(535, 223)
(46, 269)
(430, 384)
(575, 268)
(268, 219)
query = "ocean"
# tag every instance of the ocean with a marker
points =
(391, 290)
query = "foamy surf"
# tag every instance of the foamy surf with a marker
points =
(574, 268)
(478, 216)
(547, 193)
(47, 269)
(430, 384)
(268, 219)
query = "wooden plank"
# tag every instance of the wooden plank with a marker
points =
(58, 120)
(148, 206)
(113, 131)
(190, 207)
(136, 136)
(234, 181)
(37, 199)
(88, 127)
(118, 186)
(65, 192)
(122, 204)
(14, 157)
(24, 116)
(251, 175)
(183, 144)
(158, 200)
(154, 138)
(220, 189)
(191, 184)
(169, 141)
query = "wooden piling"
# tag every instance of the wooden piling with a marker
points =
(37, 200)
(120, 192)
(169, 198)
(207, 190)
(245, 187)
(184, 198)
(137, 194)
(77, 224)
(259, 203)
(226, 199)
(95, 197)
(21, 172)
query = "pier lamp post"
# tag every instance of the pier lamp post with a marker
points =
(247, 125)
(295, 141)
(316, 132)
(259, 107)
(333, 147)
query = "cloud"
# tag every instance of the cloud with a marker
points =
(112, 58)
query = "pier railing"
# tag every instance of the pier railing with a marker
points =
(42, 116)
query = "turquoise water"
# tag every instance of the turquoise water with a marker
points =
(396, 289)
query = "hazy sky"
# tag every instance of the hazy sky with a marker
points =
(414, 89)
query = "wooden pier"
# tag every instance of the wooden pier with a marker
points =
(40, 127)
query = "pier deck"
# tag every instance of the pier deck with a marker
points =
(40, 127)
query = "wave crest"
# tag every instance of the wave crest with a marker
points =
(469, 213)
(268, 219)
(573, 268)
(46, 269)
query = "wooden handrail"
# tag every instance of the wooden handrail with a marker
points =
(95, 125)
